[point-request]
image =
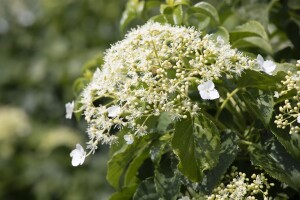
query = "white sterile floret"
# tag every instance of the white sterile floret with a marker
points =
(69, 109)
(267, 66)
(129, 138)
(298, 119)
(78, 155)
(114, 111)
(276, 94)
(207, 90)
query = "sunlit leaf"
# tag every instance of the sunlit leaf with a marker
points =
(249, 29)
(207, 9)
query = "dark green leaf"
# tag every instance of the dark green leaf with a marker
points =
(121, 161)
(291, 142)
(184, 148)
(196, 142)
(125, 194)
(146, 191)
(260, 103)
(277, 163)
(229, 149)
(261, 80)
(167, 186)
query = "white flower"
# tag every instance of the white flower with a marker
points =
(298, 119)
(207, 90)
(267, 66)
(114, 111)
(78, 155)
(128, 138)
(69, 110)
(276, 94)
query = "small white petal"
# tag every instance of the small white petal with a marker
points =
(78, 155)
(129, 138)
(260, 60)
(204, 94)
(269, 66)
(113, 111)
(276, 94)
(207, 91)
(214, 94)
(298, 119)
(69, 110)
(208, 85)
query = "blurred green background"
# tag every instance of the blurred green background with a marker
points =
(43, 46)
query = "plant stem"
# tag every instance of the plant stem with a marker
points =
(225, 102)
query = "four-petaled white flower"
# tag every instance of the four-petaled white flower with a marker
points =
(78, 155)
(298, 119)
(267, 66)
(276, 94)
(207, 90)
(69, 110)
(114, 111)
(129, 138)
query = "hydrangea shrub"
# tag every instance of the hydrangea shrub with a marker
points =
(179, 106)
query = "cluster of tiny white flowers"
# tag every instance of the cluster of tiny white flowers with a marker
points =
(241, 187)
(150, 72)
(290, 112)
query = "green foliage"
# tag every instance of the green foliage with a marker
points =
(197, 144)
(228, 153)
(274, 159)
(190, 156)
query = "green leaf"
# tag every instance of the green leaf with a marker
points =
(199, 21)
(249, 29)
(126, 18)
(130, 176)
(164, 122)
(277, 163)
(159, 18)
(285, 67)
(260, 103)
(229, 150)
(178, 15)
(261, 80)
(223, 33)
(125, 194)
(182, 2)
(250, 42)
(167, 186)
(146, 191)
(128, 157)
(206, 9)
(134, 8)
(291, 142)
(196, 142)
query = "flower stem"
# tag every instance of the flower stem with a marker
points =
(225, 102)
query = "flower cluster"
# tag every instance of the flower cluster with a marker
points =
(241, 187)
(152, 71)
(289, 115)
